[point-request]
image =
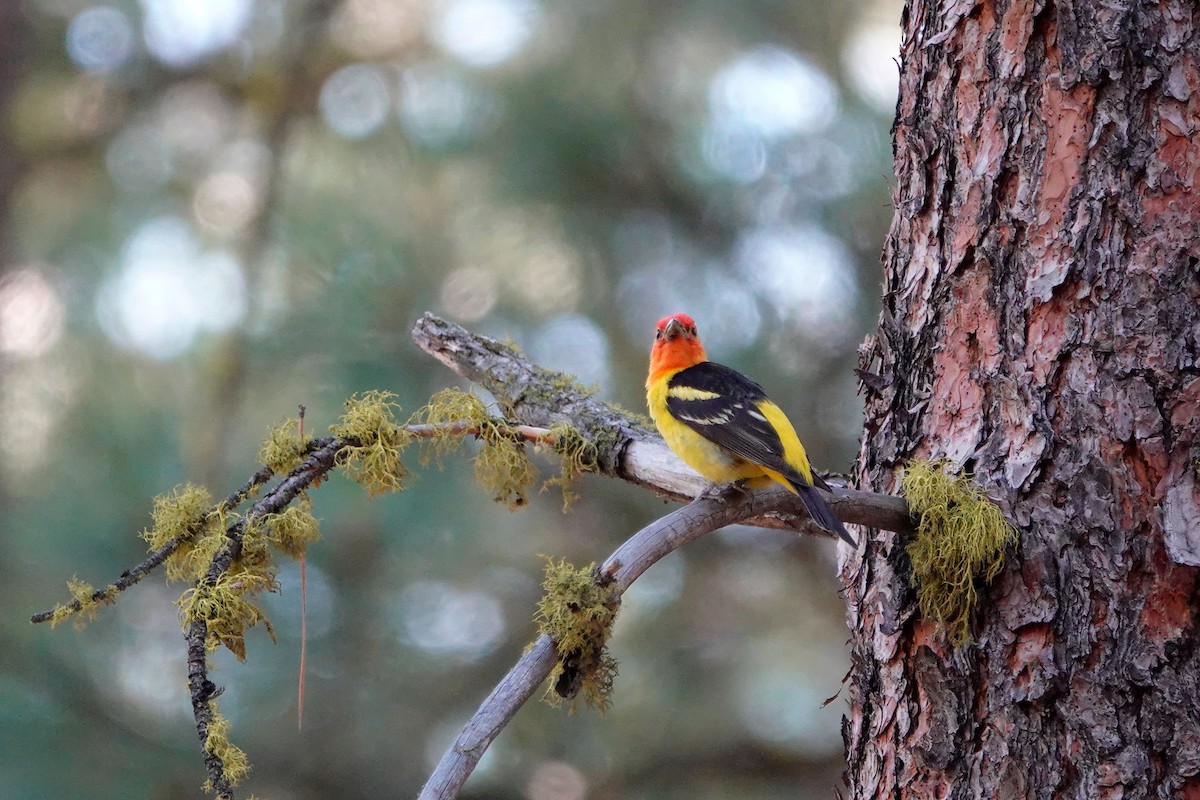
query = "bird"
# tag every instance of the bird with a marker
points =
(723, 425)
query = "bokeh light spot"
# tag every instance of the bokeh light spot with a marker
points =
(556, 780)
(100, 39)
(484, 33)
(774, 91)
(445, 621)
(469, 293)
(576, 345)
(550, 276)
(355, 101)
(31, 313)
(870, 55)
(193, 120)
(372, 28)
(735, 151)
(805, 273)
(225, 202)
(725, 309)
(438, 108)
(34, 396)
(138, 160)
(167, 291)
(181, 32)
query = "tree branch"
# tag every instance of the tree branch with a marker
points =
(704, 515)
(157, 556)
(626, 447)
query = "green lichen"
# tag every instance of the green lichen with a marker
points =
(960, 542)
(177, 514)
(284, 448)
(224, 608)
(450, 412)
(502, 465)
(565, 383)
(373, 457)
(577, 611)
(577, 454)
(186, 514)
(504, 469)
(89, 601)
(293, 530)
(217, 742)
(637, 417)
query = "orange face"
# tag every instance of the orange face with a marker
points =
(676, 345)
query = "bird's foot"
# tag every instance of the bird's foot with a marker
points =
(720, 492)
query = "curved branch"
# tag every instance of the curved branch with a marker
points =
(704, 515)
(627, 448)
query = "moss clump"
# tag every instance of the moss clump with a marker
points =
(284, 448)
(504, 469)
(225, 610)
(578, 456)
(639, 417)
(232, 757)
(502, 465)
(187, 515)
(577, 611)
(292, 531)
(451, 412)
(961, 538)
(568, 384)
(372, 458)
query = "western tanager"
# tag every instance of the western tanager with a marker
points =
(722, 424)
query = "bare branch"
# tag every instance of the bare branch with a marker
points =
(626, 447)
(707, 513)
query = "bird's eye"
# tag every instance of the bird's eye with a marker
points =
(692, 330)
(658, 334)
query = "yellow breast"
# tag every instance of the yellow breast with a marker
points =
(699, 453)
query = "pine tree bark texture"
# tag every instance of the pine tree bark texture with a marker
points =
(1040, 328)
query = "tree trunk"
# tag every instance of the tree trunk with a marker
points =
(1040, 328)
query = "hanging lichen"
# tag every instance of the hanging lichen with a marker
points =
(294, 529)
(502, 465)
(451, 413)
(577, 454)
(373, 460)
(224, 608)
(960, 541)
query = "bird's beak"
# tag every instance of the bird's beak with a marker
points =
(673, 330)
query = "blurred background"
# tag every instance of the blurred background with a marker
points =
(213, 211)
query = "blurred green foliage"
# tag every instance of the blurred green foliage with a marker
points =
(211, 213)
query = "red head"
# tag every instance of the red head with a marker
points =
(676, 346)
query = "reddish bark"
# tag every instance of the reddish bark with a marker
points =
(1040, 327)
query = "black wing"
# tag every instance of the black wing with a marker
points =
(720, 404)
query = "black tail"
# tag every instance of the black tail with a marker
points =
(821, 513)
